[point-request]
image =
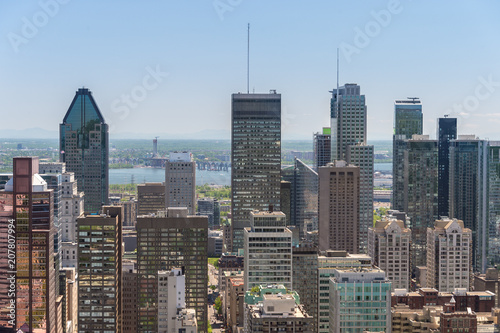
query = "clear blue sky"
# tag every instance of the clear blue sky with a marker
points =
(435, 50)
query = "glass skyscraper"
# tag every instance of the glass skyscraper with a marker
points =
(408, 120)
(84, 147)
(494, 203)
(446, 131)
(255, 158)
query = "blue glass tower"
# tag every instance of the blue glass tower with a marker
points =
(84, 148)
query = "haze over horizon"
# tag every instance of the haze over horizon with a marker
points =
(179, 62)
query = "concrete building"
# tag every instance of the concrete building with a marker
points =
(389, 247)
(229, 262)
(26, 207)
(360, 299)
(215, 243)
(305, 279)
(180, 181)
(235, 303)
(68, 288)
(449, 259)
(322, 148)
(469, 192)
(226, 292)
(129, 212)
(150, 198)
(129, 297)
(84, 147)
(185, 321)
(408, 120)
(420, 191)
(255, 158)
(446, 131)
(268, 250)
(488, 282)
(274, 308)
(100, 271)
(348, 142)
(328, 263)
(164, 241)
(339, 207)
(171, 297)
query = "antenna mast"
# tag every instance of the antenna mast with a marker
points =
(248, 59)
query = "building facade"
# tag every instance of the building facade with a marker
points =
(389, 247)
(164, 241)
(255, 158)
(469, 192)
(446, 131)
(84, 147)
(449, 246)
(494, 203)
(180, 181)
(27, 252)
(339, 207)
(322, 148)
(305, 279)
(100, 271)
(408, 120)
(150, 198)
(268, 250)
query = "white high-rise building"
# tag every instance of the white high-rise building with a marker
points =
(449, 257)
(268, 250)
(180, 181)
(389, 247)
(171, 297)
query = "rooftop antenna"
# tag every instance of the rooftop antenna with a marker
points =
(248, 59)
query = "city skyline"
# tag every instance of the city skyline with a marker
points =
(182, 47)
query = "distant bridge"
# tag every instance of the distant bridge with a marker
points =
(213, 166)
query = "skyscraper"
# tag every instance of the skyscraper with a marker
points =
(255, 158)
(100, 271)
(26, 217)
(180, 181)
(448, 255)
(446, 131)
(322, 148)
(268, 250)
(84, 147)
(494, 203)
(348, 142)
(339, 207)
(420, 188)
(151, 198)
(389, 247)
(164, 241)
(469, 192)
(408, 120)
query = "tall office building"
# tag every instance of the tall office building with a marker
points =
(494, 203)
(164, 241)
(26, 218)
(348, 142)
(328, 263)
(322, 148)
(360, 300)
(361, 155)
(255, 158)
(211, 208)
(305, 279)
(408, 120)
(420, 191)
(150, 198)
(339, 207)
(449, 255)
(100, 271)
(389, 247)
(268, 250)
(180, 181)
(469, 192)
(85, 149)
(446, 131)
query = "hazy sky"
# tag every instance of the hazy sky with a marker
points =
(170, 66)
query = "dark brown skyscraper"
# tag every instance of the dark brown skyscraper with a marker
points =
(339, 207)
(26, 209)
